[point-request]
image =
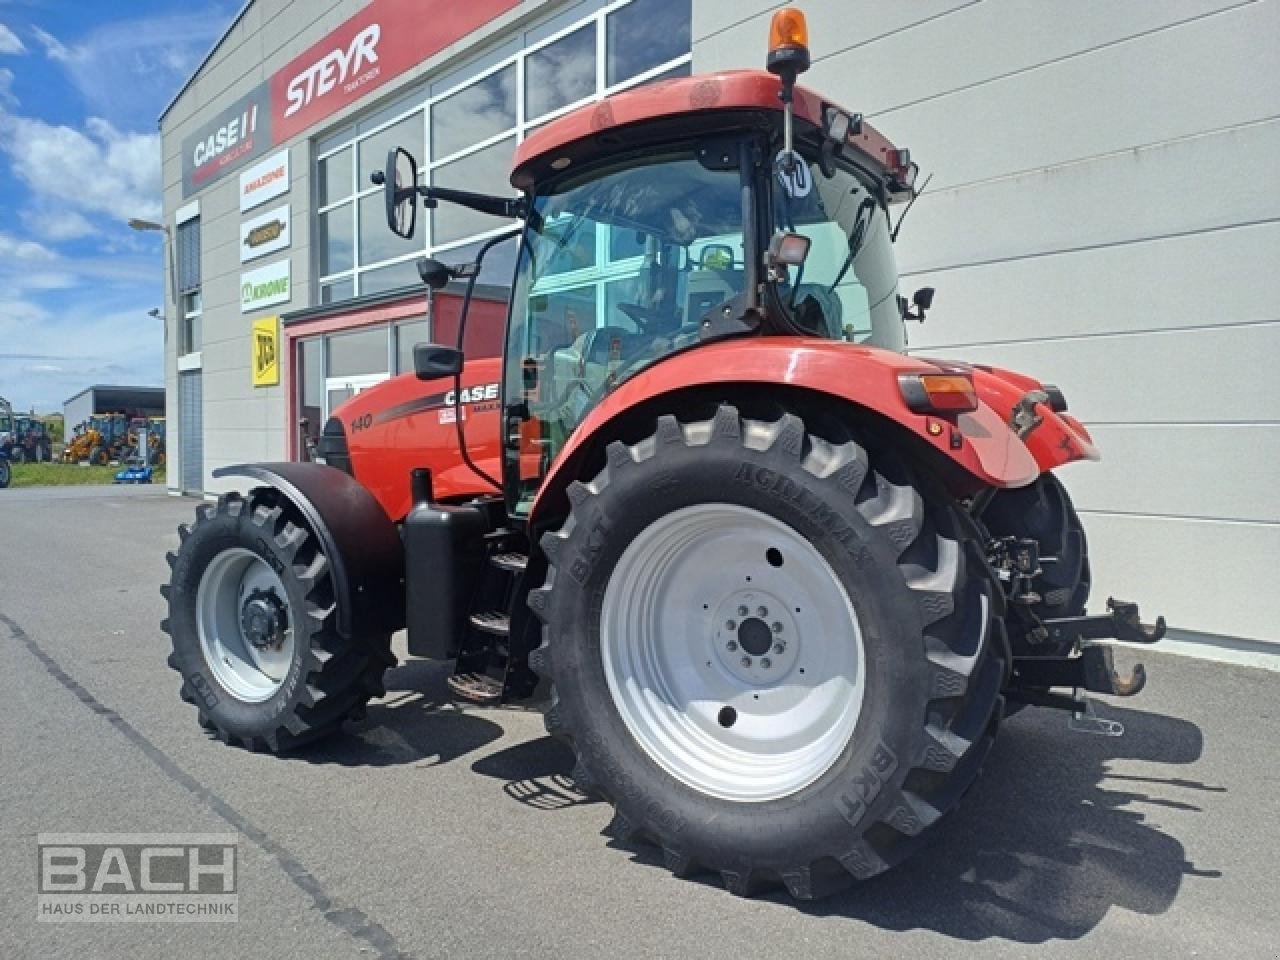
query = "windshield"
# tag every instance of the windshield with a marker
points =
(847, 288)
(622, 264)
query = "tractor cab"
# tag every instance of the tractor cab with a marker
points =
(681, 213)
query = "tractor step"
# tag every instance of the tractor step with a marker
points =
(479, 688)
(509, 562)
(492, 621)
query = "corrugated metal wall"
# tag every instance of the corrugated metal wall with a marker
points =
(191, 418)
(1104, 214)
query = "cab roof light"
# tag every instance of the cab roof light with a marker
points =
(938, 393)
(788, 31)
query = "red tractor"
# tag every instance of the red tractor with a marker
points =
(783, 579)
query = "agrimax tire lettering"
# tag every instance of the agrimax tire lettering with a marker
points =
(866, 786)
(825, 520)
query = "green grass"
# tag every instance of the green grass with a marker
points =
(68, 475)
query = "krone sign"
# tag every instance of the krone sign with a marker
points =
(265, 286)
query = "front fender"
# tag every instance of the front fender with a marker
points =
(1060, 438)
(981, 443)
(362, 545)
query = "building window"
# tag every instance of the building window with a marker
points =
(464, 134)
(190, 339)
(188, 264)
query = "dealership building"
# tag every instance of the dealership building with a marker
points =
(1102, 213)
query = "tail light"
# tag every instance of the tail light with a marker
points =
(938, 393)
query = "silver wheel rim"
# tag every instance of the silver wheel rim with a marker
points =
(237, 586)
(688, 671)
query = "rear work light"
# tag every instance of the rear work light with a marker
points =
(938, 393)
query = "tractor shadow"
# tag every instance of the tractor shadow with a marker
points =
(416, 723)
(1048, 841)
(1045, 844)
(536, 774)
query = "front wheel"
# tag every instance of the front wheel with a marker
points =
(772, 651)
(5, 473)
(253, 622)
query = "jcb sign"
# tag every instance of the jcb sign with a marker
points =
(266, 352)
(118, 877)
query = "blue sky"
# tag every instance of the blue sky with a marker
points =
(81, 87)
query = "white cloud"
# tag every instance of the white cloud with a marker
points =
(55, 223)
(7, 99)
(96, 170)
(26, 251)
(9, 42)
(53, 47)
(126, 69)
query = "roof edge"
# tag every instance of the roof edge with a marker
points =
(204, 61)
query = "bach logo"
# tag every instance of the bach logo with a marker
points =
(336, 67)
(121, 877)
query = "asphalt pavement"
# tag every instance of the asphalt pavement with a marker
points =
(433, 830)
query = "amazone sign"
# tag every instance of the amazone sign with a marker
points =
(265, 287)
(377, 44)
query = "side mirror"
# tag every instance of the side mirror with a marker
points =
(399, 181)
(432, 360)
(922, 299)
(788, 249)
(434, 273)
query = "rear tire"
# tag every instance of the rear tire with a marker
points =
(303, 678)
(918, 600)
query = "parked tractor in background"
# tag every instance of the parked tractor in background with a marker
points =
(23, 438)
(99, 440)
(784, 580)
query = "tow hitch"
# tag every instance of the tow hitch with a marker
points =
(1091, 668)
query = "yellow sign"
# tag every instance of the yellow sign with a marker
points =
(266, 352)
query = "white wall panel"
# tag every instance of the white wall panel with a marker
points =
(1174, 376)
(1201, 576)
(1225, 276)
(1228, 471)
(1210, 74)
(1200, 183)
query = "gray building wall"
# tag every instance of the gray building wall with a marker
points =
(76, 410)
(243, 423)
(1103, 215)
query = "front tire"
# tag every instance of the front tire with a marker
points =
(5, 473)
(881, 596)
(253, 622)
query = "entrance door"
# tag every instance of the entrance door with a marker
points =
(191, 427)
(339, 389)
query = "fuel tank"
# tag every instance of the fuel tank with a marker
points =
(405, 423)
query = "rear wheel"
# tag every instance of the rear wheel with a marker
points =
(774, 653)
(253, 623)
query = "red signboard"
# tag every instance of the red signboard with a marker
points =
(376, 45)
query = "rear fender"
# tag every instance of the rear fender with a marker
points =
(980, 444)
(366, 558)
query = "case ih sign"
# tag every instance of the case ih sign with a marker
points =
(375, 46)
